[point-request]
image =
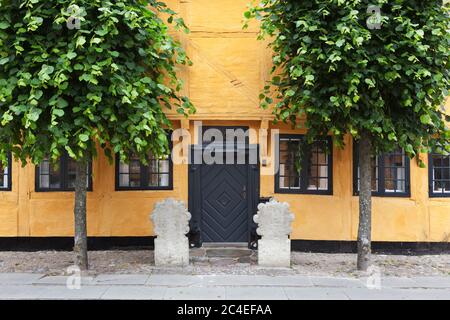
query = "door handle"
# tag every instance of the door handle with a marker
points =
(244, 192)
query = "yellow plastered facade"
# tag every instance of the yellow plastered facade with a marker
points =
(230, 69)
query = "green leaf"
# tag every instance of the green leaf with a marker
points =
(102, 32)
(58, 112)
(46, 71)
(78, 67)
(81, 40)
(62, 103)
(309, 79)
(71, 55)
(96, 40)
(370, 83)
(340, 43)
(289, 93)
(426, 119)
(359, 40)
(34, 114)
(142, 52)
(392, 136)
(4, 61)
(7, 117)
(83, 137)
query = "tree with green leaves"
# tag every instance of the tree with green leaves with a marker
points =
(377, 70)
(75, 75)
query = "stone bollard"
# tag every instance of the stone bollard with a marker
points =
(274, 225)
(171, 224)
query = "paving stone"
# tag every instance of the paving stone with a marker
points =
(19, 278)
(62, 280)
(315, 294)
(221, 262)
(244, 260)
(243, 265)
(51, 292)
(255, 280)
(396, 294)
(195, 293)
(203, 263)
(337, 282)
(174, 280)
(396, 282)
(197, 252)
(431, 282)
(125, 279)
(255, 293)
(228, 253)
(134, 293)
(428, 294)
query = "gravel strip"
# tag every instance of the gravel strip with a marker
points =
(142, 262)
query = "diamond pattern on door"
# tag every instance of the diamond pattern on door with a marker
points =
(224, 204)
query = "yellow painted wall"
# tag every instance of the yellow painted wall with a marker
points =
(230, 68)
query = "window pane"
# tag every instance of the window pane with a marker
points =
(135, 180)
(158, 171)
(441, 174)
(164, 166)
(294, 182)
(49, 175)
(3, 177)
(135, 172)
(124, 176)
(318, 169)
(55, 176)
(153, 180)
(153, 166)
(289, 177)
(130, 173)
(395, 171)
(284, 182)
(163, 180)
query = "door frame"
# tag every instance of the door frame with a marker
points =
(195, 196)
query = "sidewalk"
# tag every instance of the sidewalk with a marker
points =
(222, 287)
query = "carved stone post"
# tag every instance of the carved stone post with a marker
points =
(274, 225)
(171, 224)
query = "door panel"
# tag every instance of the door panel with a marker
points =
(224, 203)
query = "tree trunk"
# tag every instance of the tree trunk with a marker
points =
(80, 245)
(365, 202)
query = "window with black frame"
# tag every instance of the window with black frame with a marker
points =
(5, 175)
(59, 175)
(439, 166)
(310, 175)
(134, 175)
(390, 174)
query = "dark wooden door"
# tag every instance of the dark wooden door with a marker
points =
(223, 197)
(224, 202)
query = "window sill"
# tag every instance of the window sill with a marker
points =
(301, 192)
